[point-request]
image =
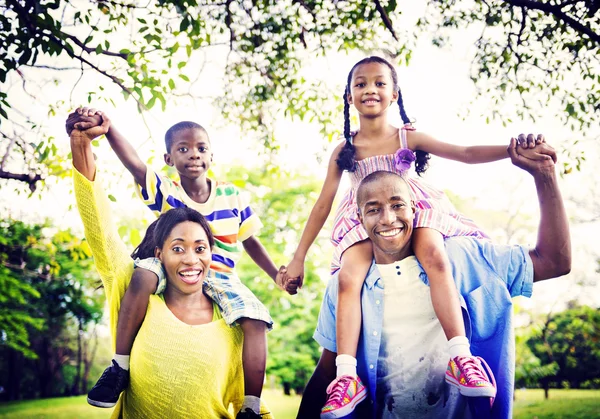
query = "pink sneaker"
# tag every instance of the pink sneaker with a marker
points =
(469, 375)
(345, 393)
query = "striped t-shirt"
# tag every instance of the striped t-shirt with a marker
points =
(227, 211)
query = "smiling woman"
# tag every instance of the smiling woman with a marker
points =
(186, 361)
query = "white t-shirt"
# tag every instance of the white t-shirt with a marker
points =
(414, 350)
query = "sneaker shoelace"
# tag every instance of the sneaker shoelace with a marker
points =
(337, 388)
(471, 368)
(112, 380)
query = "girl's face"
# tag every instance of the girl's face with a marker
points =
(372, 89)
(186, 256)
(190, 153)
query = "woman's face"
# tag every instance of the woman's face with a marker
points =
(186, 256)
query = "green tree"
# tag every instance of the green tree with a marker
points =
(571, 341)
(48, 302)
(541, 52)
(283, 202)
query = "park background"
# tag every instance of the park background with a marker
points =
(266, 79)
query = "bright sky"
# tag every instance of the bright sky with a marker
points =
(436, 88)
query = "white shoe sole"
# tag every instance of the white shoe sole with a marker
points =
(346, 410)
(100, 404)
(472, 391)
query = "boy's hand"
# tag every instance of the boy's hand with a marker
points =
(91, 133)
(290, 285)
(84, 118)
(295, 270)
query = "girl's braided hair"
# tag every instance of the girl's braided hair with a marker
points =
(346, 160)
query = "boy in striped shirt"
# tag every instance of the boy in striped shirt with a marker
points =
(233, 224)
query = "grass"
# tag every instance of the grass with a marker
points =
(564, 404)
(529, 404)
(282, 406)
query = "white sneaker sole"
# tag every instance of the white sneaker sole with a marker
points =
(100, 404)
(346, 410)
(472, 391)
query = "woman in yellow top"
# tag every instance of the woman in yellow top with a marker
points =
(186, 361)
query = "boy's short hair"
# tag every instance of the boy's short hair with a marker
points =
(180, 126)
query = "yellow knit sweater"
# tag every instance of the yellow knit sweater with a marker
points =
(177, 370)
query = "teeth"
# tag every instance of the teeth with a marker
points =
(390, 233)
(190, 273)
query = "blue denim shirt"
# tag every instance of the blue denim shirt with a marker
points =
(487, 276)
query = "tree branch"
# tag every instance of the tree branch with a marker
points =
(386, 19)
(560, 14)
(31, 179)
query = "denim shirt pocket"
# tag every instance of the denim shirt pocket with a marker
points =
(487, 306)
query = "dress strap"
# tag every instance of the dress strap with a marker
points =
(402, 132)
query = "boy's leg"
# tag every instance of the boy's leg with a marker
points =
(464, 370)
(254, 361)
(239, 305)
(131, 315)
(133, 309)
(346, 391)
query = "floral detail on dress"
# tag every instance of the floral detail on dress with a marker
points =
(403, 159)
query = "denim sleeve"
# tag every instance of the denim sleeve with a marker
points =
(510, 263)
(325, 332)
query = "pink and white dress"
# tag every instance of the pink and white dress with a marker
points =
(434, 210)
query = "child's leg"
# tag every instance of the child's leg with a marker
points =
(428, 245)
(254, 361)
(346, 391)
(131, 315)
(356, 262)
(464, 370)
(133, 310)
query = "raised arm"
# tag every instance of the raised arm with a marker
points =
(552, 253)
(110, 254)
(465, 154)
(317, 217)
(84, 118)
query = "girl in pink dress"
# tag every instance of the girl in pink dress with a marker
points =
(372, 87)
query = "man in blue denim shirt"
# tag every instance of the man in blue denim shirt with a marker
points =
(399, 350)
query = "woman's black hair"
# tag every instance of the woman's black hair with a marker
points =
(180, 126)
(346, 157)
(159, 230)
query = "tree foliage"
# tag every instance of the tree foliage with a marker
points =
(543, 51)
(155, 52)
(48, 300)
(570, 340)
(282, 201)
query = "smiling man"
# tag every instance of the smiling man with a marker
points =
(402, 355)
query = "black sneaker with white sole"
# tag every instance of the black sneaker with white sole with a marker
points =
(107, 390)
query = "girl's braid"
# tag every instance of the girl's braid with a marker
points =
(422, 158)
(345, 159)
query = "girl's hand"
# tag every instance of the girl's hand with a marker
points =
(295, 271)
(530, 141)
(539, 151)
(290, 285)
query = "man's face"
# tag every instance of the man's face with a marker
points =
(387, 213)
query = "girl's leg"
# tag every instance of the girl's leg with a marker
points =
(254, 360)
(356, 262)
(428, 245)
(346, 391)
(464, 370)
(131, 315)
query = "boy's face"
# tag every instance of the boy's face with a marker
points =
(190, 153)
